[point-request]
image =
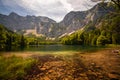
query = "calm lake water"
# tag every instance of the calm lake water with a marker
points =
(57, 48)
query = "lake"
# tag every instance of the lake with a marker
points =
(56, 48)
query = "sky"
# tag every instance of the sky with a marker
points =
(54, 9)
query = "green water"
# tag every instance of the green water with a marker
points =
(59, 48)
(55, 49)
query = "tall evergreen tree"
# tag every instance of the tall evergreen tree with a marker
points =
(22, 42)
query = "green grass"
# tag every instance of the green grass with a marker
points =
(112, 45)
(14, 67)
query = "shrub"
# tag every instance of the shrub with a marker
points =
(14, 67)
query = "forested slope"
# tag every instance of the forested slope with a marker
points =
(106, 31)
(9, 39)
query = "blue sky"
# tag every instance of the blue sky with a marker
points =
(54, 9)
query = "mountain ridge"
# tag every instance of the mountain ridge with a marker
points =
(45, 26)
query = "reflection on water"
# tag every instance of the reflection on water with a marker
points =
(54, 48)
(48, 48)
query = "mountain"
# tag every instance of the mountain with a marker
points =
(104, 32)
(28, 24)
(44, 26)
(78, 19)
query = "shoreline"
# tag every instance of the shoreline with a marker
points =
(103, 64)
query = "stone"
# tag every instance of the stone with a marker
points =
(98, 67)
(116, 51)
(93, 64)
(51, 71)
(112, 76)
(83, 75)
(42, 69)
(46, 78)
(100, 77)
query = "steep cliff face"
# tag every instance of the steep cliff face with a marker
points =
(47, 27)
(78, 19)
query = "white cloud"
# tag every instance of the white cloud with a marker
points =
(67, 5)
(81, 5)
(55, 9)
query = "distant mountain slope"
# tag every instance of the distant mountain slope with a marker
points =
(107, 31)
(19, 23)
(78, 19)
(47, 27)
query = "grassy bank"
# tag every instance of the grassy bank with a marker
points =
(14, 67)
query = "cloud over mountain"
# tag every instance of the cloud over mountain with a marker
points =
(55, 9)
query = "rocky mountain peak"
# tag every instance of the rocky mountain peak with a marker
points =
(73, 21)
(13, 14)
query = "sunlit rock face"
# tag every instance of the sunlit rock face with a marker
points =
(39, 25)
(17, 23)
(78, 19)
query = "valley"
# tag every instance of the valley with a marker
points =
(47, 27)
(85, 45)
